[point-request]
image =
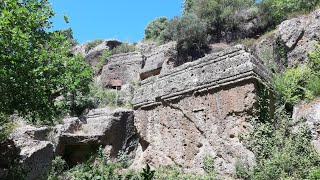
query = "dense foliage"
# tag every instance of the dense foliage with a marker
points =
(97, 97)
(225, 16)
(221, 16)
(155, 28)
(36, 66)
(68, 33)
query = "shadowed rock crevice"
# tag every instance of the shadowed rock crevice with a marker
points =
(113, 130)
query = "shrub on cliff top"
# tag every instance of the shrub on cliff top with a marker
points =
(275, 11)
(91, 45)
(191, 36)
(220, 16)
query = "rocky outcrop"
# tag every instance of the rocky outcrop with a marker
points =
(92, 56)
(197, 110)
(76, 140)
(30, 150)
(309, 113)
(290, 43)
(121, 69)
(154, 59)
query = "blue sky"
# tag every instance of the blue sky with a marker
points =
(103, 19)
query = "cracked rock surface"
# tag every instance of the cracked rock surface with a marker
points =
(297, 36)
(199, 109)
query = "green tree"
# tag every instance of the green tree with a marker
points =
(220, 15)
(36, 65)
(155, 28)
(68, 33)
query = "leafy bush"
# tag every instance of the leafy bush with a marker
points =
(315, 174)
(147, 173)
(123, 159)
(191, 36)
(173, 172)
(98, 167)
(155, 28)
(58, 165)
(302, 82)
(93, 44)
(291, 84)
(123, 48)
(6, 127)
(275, 11)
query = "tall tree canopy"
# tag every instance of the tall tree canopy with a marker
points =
(36, 65)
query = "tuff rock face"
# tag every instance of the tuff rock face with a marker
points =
(92, 56)
(198, 110)
(290, 43)
(76, 140)
(34, 152)
(310, 114)
(34, 148)
(136, 66)
(121, 68)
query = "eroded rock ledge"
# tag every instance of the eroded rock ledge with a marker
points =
(198, 110)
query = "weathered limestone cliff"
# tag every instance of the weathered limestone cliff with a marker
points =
(197, 110)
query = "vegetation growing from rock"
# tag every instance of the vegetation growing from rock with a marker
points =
(302, 82)
(281, 151)
(221, 16)
(123, 48)
(191, 36)
(91, 45)
(6, 126)
(96, 97)
(224, 21)
(100, 167)
(36, 65)
(103, 60)
(275, 11)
